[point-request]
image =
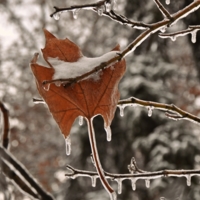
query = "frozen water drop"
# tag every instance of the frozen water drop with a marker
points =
(163, 29)
(107, 6)
(173, 38)
(113, 196)
(100, 11)
(147, 182)
(75, 13)
(94, 180)
(133, 183)
(80, 120)
(194, 36)
(46, 86)
(56, 16)
(167, 2)
(162, 198)
(150, 110)
(58, 83)
(109, 133)
(119, 181)
(188, 177)
(68, 145)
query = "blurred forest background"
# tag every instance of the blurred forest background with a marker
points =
(159, 70)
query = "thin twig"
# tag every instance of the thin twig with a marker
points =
(163, 10)
(6, 127)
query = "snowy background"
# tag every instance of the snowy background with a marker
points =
(159, 70)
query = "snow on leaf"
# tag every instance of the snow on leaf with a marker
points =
(86, 98)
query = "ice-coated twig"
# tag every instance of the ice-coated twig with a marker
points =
(138, 174)
(153, 28)
(190, 30)
(6, 126)
(25, 176)
(171, 110)
(100, 8)
(162, 9)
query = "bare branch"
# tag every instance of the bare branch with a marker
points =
(6, 127)
(172, 111)
(190, 30)
(7, 159)
(162, 9)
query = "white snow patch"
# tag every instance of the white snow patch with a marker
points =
(65, 70)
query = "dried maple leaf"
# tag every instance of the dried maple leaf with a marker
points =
(86, 98)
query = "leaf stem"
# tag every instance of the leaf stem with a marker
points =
(96, 159)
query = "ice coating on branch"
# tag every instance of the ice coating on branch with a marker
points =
(113, 196)
(147, 183)
(100, 10)
(46, 87)
(80, 121)
(68, 145)
(163, 29)
(108, 133)
(167, 2)
(65, 70)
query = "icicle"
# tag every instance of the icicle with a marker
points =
(80, 120)
(173, 38)
(150, 110)
(68, 145)
(113, 196)
(94, 180)
(56, 16)
(46, 86)
(121, 109)
(167, 2)
(147, 182)
(188, 177)
(119, 181)
(194, 36)
(109, 133)
(133, 183)
(75, 13)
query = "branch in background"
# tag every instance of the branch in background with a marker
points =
(27, 181)
(162, 9)
(134, 175)
(6, 127)
(171, 111)
(153, 28)
(190, 30)
(103, 8)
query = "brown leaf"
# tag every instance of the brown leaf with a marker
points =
(86, 98)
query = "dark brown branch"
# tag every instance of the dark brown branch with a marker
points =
(6, 127)
(172, 111)
(7, 158)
